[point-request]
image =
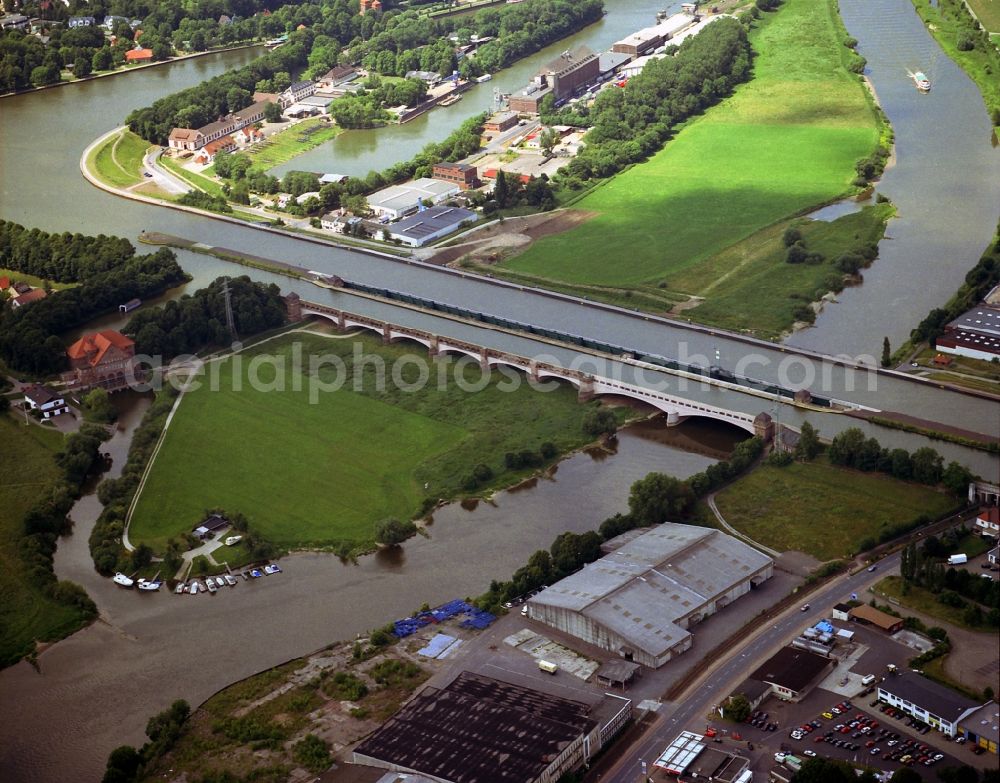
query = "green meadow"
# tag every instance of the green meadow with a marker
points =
(785, 141)
(322, 474)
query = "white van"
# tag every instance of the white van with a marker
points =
(868, 679)
(549, 668)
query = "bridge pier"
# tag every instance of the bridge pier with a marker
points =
(586, 392)
(673, 418)
(386, 334)
(432, 349)
(484, 359)
(533, 371)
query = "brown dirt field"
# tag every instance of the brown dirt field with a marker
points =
(513, 235)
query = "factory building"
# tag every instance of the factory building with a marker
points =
(640, 600)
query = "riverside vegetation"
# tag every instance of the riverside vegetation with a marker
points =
(801, 132)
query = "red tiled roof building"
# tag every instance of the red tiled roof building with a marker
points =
(105, 359)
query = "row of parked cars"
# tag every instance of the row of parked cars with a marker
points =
(921, 727)
(759, 720)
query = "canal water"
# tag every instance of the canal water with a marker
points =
(945, 183)
(96, 689)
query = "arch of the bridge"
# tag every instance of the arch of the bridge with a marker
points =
(680, 409)
(395, 337)
(446, 348)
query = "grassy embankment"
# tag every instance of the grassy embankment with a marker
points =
(922, 600)
(321, 474)
(787, 140)
(118, 161)
(29, 471)
(785, 508)
(946, 19)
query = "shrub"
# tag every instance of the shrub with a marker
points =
(312, 753)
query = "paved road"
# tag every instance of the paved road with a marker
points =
(691, 712)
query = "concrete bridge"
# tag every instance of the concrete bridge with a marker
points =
(589, 386)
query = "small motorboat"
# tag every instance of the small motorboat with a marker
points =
(148, 586)
(256, 573)
(193, 589)
(122, 581)
(210, 583)
(272, 568)
(179, 589)
(230, 580)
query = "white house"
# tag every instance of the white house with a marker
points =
(988, 522)
(338, 224)
(45, 401)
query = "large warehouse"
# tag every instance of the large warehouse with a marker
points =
(639, 601)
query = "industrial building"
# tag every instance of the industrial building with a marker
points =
(689, 757)
(869, 615)
(398, 200)
(561, 77)
(976, 332)
(792, 672)
(482, 730)
(651, 38)
(937, 706)
(639, 601)
(982, 727)
(429, 224)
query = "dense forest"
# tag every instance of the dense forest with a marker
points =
(62, 258)
(109, 274)
(629, 124)
(188, 324)
(391, 43)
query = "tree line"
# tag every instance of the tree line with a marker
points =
(631, 123)
(962, 590)
(62, 258)
(29, 336)
(191, 323)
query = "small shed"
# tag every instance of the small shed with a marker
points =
(617, 673)
(129, 306)
(212, 525)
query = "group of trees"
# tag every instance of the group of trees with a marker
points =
(62, 258)
(110, 274)
(630, 124)
(125, 763)
(851, 449)
(511, 191)
(958, 588)
(188, 324)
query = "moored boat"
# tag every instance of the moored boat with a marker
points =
(148, 586)
(122, 581)
(230, 580)
(210, 583)
(179, 589)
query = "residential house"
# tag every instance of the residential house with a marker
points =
(45, 401)
(82, 21)
(338, 75)
(993, 555)
(206, 154)
(34, 295)
(249, 135)
(988, 522)
(296, 92)
(337, 223)
(110, 22)
(139, 56)
(105, 359)
(4, 282)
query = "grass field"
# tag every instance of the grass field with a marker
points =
(322, 474)
(291, 142)
(119, 159)
(210, 186)
(988, 13)
(28, 470)
(921, 600)
(820, 509)
(786, 140)
(31, 280)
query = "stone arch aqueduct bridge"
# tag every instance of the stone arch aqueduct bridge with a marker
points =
(589, 385)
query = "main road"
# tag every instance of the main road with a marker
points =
(722, 678)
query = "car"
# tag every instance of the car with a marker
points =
(845, 730)
(805, 608)
(810, 753)
(524, 610)
(870, 744)
(892, 743)
(828, 715)
(146, 174)
(938, 756)
(960, 740)
(977, 750)
(872, 567)
(906, 758)
(821, 739)
(815, 724)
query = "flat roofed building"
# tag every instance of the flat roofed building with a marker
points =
(937, 706)
(792, 672)
(974, 334)
(462, 174)
(872, 616)
(429, 224)
(678, 755)
(482, 730)
(755, 691)
(398, 200)
(500, 122)
(982, 727)
(649, 38)
(639, 601)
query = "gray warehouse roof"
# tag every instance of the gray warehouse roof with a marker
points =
(641, 590)
(938, 699)
(432, 220)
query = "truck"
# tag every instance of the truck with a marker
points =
(547, 667)
(957, 559)
(794, 763)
